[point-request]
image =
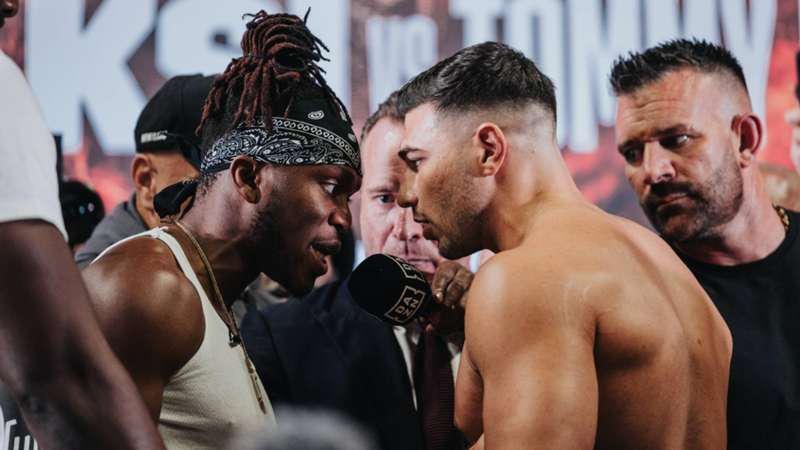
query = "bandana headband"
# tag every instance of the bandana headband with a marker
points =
(290, 143)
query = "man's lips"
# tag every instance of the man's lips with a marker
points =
(416, 259)
(670, 198)
(325, 248)
(427, 228)
(663, 194)
(423, 264)
(427, 231)
(322, 249)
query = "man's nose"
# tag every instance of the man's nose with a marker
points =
(657, 164)
(404, 227)
(341, 217)
(406, 195)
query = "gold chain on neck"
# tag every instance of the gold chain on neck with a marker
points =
(230, 321)
(783, 215)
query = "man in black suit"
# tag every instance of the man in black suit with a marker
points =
(324, 351)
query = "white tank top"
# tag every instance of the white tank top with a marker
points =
(211, 399)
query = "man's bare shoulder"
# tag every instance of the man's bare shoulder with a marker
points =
(519, 305)
(544, 270)
(521, 285)
(521, 267)
(140, 293)
(589, 240)
(139, 266)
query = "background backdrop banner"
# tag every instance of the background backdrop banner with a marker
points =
(94, 63)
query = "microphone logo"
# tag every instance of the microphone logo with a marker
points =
(408, 270)
(406, 307)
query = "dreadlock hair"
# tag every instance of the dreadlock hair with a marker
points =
(279, 61)
(636, 70)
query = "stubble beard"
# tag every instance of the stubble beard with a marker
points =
(263, 236)
(713, 205)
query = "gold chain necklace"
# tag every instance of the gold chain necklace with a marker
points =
(783, 215)
(230, 321)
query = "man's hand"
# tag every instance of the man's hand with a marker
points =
(449, 286)
(793, 118)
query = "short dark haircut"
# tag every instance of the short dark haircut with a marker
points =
(390, 108)
(637, 70)
(481, 76)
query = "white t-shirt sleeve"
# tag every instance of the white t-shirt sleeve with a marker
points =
(28, 180)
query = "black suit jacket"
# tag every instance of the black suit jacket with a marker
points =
(324, 351)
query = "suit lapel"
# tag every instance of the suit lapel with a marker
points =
(375, 368)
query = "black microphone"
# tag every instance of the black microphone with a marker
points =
(390, 289)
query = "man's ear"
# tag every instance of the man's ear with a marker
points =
(246, 173)
(750, 130)
(492, 148)
(143, 173)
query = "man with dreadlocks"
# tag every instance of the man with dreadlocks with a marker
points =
(280, 163)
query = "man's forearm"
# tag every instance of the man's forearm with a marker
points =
(99, 409)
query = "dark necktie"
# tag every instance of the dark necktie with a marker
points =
(433, 382)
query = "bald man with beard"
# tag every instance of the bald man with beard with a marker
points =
(690, 139)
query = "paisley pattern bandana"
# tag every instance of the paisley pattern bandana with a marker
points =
(291, 142)
(313, 132)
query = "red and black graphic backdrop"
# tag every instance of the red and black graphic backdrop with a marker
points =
(93, 63)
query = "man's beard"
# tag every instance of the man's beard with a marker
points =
(264, 235)
(712, 204)
(272, 238)
(464, 238)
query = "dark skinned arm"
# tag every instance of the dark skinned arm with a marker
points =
(72, 391)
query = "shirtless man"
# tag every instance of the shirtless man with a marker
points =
(585, 330)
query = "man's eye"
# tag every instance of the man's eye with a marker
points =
(672, 142)
(632, 155)
(329, 187)
(414, 163)
(385, 198)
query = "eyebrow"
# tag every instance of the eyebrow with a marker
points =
(658, 133)
(382, 187)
